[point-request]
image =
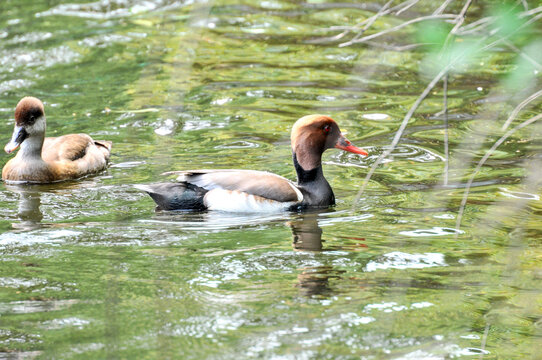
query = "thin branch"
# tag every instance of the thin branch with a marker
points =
(520, 107)
(400, 131)
(396, 47)
(349, 29)
(446, 151)
(442, 7)
(523, 54)
(490, 45)
(460, 18)
(482, 162)
(399, 8)
(411, 111)
(484, 340)
(486, 21)
(406, 7)
(395, 28)
(368, 25)
(531, 12)
(459, 22)
(477, 25)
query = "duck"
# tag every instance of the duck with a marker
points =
(260, 191)
(43, 159)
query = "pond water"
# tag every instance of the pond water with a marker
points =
(89, 270)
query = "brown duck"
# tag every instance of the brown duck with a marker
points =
(46, 160)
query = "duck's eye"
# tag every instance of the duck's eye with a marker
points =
(327, 128)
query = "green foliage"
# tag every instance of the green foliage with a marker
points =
(507, 27)
(433, 33)
(525, 68)
(507, 19)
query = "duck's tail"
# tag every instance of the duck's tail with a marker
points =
(175, 196)
(105, 147)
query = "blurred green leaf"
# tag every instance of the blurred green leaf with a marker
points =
(508, 21)
(526, 67)
(433, 33)
(460, 54)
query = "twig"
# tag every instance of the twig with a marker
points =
(399, 132)
(523, 54)
(396, 47)
(411, 111)
(518, 108)
(445, 103)
(484, 340)
(460, 20)
(477, 25)
(490, 45)
(395, 28)
(483, 160)
(486, 21)
(406, 7)
(525, 5)
(368, 25)
(349, 29)
(399, 8)
(531, 12)
(442, 7)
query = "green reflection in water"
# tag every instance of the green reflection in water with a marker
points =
(89, 270)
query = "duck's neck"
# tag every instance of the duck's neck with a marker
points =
(317, 190)
(31, 148)
(307, 176)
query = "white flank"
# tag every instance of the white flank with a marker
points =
(237, 201)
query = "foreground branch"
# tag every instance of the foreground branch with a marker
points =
(482, 162)
(399, 132)
(518, 108)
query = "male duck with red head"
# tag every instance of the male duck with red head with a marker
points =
(260, 191)
(45, 160)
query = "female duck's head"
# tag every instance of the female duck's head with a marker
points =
(29, 122)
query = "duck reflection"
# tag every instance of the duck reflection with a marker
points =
(307, 236)
(28, 209)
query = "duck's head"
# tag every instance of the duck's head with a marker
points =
(314, 134)
(29, 121)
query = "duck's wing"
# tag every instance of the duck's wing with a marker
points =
(261, 184)
(66, 148)
(76, 154)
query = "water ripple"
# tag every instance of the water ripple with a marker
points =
(29, 38)
(435, 231)
(401, 260)
(15, 58)
(31, 306)
(108, 9)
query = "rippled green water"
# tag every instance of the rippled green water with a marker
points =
(89, 270)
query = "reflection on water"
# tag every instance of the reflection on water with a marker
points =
(213, 220)
(28, 209)
(183, 84)
(315, 281)
(30, 200)
(306, 233)
(307, 236)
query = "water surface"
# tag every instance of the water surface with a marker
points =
(89, 270)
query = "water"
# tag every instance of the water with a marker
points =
(89, 270)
